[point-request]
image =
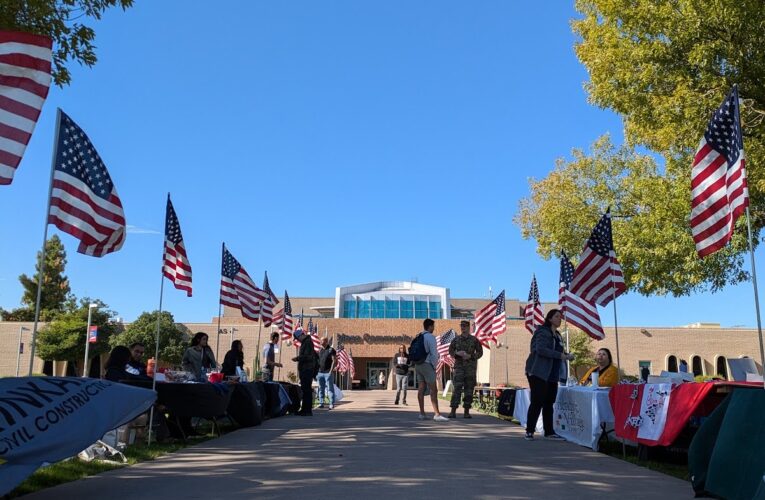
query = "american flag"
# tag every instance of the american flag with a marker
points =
(83, 200)
(598, 277)
(351, 366)
(25, 69)
(176, 265)
(267, 307)
(719, 193)
(533, 312)
(237, 288)
(283, 318)
(313, 331)
(490, 320)
(577, 311)
(443, 342)
(342, 360)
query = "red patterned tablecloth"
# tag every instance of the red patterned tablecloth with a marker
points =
(686, 400)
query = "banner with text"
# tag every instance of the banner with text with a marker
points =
(47, 419)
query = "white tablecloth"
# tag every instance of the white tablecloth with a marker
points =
(580, 414)
(521, 409)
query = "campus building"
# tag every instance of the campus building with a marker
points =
(372, 319)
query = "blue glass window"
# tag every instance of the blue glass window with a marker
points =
(407, 309)
(363, 310)
(391, 309)
(378, 308)
(349, 309)
(420, 309)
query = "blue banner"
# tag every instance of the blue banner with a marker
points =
(47, 419)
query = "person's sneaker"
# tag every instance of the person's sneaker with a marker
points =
(421, 416)
(440, 418)
(331, 407)
(529, 436)
(554, 437)
(395, 402)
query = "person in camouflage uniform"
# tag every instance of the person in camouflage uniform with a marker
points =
(466, 350)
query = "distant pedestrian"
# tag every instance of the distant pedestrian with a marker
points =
(327, 361)
(308, 367)
(466, 351)
(269, 358)
(401, 362)
(542, 370)
(683, 366)
(644, 373)
(381, 379)
(426, 372)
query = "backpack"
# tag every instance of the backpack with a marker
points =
(417, 353)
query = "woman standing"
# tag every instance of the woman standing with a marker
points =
(198, 356)
(234, 359)
(543, 370)
(401, 362)
(608, 374)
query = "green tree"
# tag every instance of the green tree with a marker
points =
(650, 220)
(580, 345)
(61, 20)
(173, 337)
(63, 339)
(56, 294)
(664, 66)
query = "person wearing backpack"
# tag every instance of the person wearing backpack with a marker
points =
(423, 352)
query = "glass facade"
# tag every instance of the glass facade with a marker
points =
(392, 307)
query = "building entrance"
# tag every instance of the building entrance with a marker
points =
(374, 369)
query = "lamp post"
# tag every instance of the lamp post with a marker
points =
(87, 339)
(18, 352)
(507, 368)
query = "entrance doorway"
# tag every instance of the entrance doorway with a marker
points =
(374, 368)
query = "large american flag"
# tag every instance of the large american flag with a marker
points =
(342, 360)
(83, 200)
(598, 277)
(443, 342)
(313, 331)
(283, 318)
(719, 193)
(267, 307)
(533, 313)
(25, 76)
(490, 320)
(577, 311)
(175, 265)
(237, 288)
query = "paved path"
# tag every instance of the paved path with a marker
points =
(368, 448)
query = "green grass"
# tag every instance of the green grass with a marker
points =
(614, 449)
(74, 468)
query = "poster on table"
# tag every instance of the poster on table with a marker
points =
(47, 419)
(574, 418)
(653, 411)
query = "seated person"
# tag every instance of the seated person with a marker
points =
(608, 374)
(116, 366)
(136, 365)
(234, 359)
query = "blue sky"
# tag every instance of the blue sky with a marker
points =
(330, 143)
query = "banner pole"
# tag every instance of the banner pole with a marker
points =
(756, 296)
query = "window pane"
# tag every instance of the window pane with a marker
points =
(420, 309)
(407, 309)
(378, 309)
(363, 311)
(391, 309)
(349, 309)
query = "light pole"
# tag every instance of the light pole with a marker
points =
(87, 339)
(18, 352)
(507, 368)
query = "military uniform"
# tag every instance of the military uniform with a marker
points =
(463, 373)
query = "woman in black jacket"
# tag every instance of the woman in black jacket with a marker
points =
(401, 362)
(233, 359)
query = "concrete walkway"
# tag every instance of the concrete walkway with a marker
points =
(368, 448)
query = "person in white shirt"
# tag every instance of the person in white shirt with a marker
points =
(426, 373)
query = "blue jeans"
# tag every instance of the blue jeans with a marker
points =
(326, 384)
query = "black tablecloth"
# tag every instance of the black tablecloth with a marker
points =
(246, 406)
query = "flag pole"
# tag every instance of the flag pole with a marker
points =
(45, 239)
(756, 296)
(156, 346)
(257, 351)
(220, 303)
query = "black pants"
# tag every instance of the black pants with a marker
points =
(306, 378)
(543, 395)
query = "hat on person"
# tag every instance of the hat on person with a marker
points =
(297, 333)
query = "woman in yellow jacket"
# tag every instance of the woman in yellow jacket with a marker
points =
(608, 374)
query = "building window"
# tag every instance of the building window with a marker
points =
(407, 309)
(721, 366)
(349, 309)
(378, 309)
(435, 310)
(363, 309)
(697, 366)
(420, 309)
(391, 309)
(672, 363)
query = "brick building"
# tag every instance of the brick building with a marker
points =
(371, 320)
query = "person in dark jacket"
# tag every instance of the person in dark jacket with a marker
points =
(116, 366)
(233, 359)
(542, 371)
(136, 366)
(401, 362)
(308, 366)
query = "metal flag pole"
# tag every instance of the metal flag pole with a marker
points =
(156, 347)
(45, 239)
(756, 296)
(257, 351)
(220, 303)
